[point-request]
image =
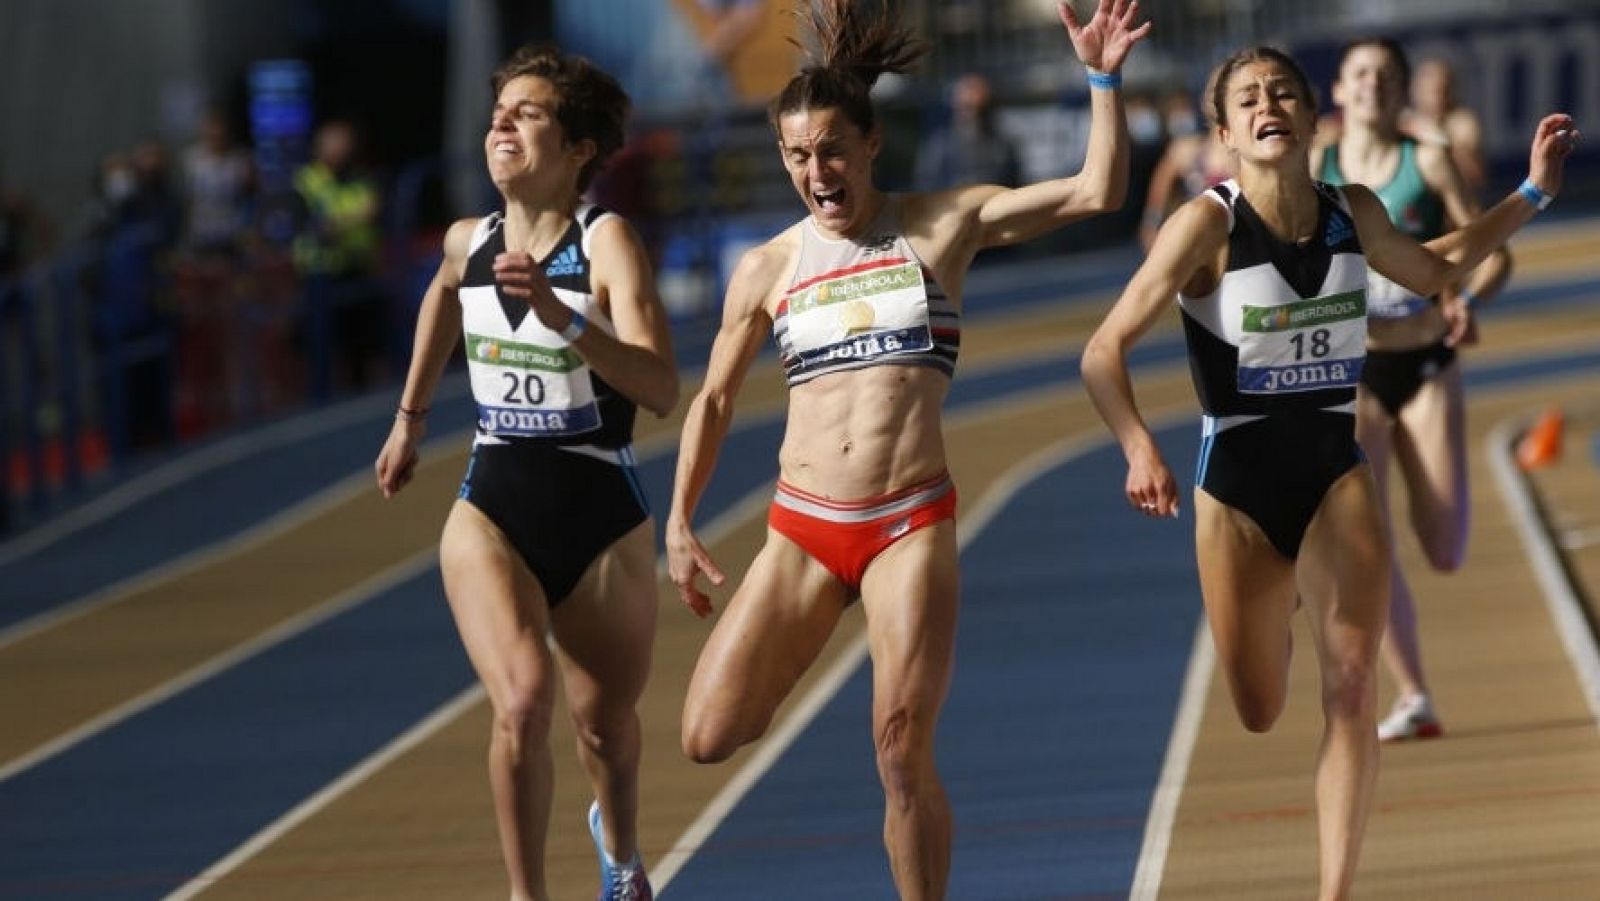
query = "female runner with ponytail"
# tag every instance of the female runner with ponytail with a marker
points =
(864, 299)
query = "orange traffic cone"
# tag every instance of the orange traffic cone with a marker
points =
(1541, 445)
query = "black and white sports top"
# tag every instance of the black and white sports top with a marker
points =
(1285, 329)
(855, 303)
(528, 382)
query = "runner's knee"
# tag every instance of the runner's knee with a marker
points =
(1349, 691)
(523, 708)
(1258, 711)
(710, 738)
(904, 751)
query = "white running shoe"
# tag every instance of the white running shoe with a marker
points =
(1411, 717)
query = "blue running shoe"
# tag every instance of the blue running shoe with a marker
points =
(618, 882)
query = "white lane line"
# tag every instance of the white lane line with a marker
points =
(318, 504)
(231, 450)
(339, 493)
(717, 529)
(1561, 597)
(197, 463)
(308, 808)
(1175, 768)
(749, 506)
(329, 498)
(308, 619)
(1006, 487)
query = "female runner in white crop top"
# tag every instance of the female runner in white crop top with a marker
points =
(864, 296)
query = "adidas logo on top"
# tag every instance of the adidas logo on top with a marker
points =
(565, 263)
(1339, 229)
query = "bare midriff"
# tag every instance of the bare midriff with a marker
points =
(1408, 333)
(863, 433)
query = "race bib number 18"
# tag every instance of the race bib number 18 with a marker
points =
(1306, 345)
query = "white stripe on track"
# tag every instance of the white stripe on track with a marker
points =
(748, 507)
(199, 462)
(285, 521)
(1175, 768)
(289, 628)
(303, 811)
(988, 506)
(719, 527)
(1561, 597)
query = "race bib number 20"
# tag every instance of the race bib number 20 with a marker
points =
(1306, 345)
(536, 391)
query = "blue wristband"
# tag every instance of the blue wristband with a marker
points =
(1534, 194)
(1467, 298)
(1105, 81)
(575, 328)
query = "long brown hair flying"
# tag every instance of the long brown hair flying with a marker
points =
(853, 48)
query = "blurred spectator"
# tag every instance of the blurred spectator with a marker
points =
(734, 21)
(154, 203)
(1194, 159)
(134, 217)
(336, 252)
(25, 233)
(111, 186)
(219, 183)
(970, 149)
(1437, 117)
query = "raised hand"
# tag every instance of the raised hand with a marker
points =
(1552, 141)
(1104, 42)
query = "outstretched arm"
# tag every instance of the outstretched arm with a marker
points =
(744, 328)
(1461, 206)
(1010, 216)
(1428, 269)
(1187, 244)
(438, 331)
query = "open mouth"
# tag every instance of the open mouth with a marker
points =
(829, 202)
(1272, 131)
(507, 148)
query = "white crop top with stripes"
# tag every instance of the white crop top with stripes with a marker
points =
(855, 303)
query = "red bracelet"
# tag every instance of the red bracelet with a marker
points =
(410, 414)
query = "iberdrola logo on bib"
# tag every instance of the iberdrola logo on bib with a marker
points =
(1306, 313)
(499, 352)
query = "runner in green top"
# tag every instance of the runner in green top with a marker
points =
(1410, 405)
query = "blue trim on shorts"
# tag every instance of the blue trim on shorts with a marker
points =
(466, 480)
(632, 475)
(1207, 440)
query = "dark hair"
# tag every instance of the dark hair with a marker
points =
(1390, 45)
(1218, 82)
(853, 49)
(591, 103)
